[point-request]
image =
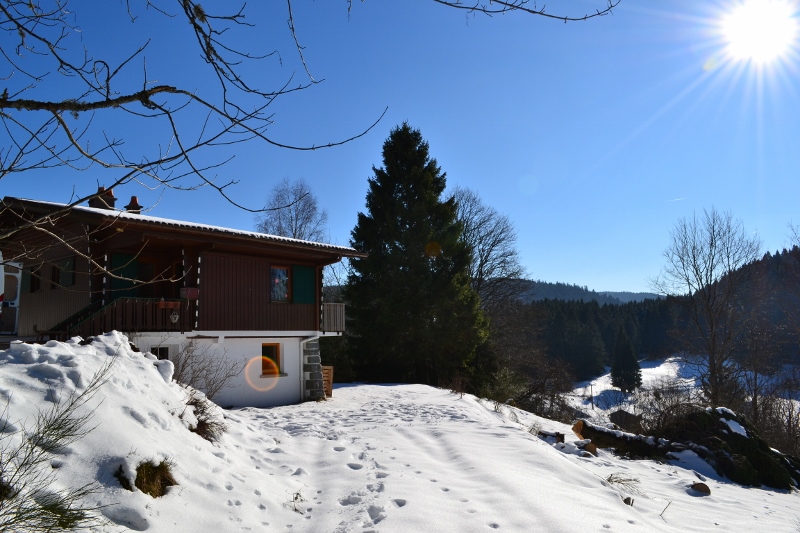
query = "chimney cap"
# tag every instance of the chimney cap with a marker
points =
(133, 206)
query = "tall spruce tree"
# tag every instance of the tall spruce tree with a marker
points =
(625, 371)
(413, 316)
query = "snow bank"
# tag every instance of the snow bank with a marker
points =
(373, 458)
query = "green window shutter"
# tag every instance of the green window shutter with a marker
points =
(66, 274)
(25, 285)
(304, 290)
(124, 265)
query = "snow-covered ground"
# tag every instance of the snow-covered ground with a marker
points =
(597, 397)
(405, 458)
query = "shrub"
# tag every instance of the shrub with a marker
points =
(457, 384)
(154, 478)
(667, 400)
(27, 503)
(208, 426)
(624, 481)
(205, 369)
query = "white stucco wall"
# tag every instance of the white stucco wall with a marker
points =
(248, 389)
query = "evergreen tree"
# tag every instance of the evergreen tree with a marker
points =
(413, 314)
(625, 371)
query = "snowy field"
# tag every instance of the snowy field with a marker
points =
(388, 458)
(608, 399)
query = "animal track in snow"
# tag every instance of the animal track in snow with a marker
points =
(355, 466)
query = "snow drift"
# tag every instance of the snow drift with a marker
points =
(373, 458)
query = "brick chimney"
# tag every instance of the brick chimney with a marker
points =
(104, 199)
(134, 206)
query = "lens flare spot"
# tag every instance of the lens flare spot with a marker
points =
(433, 249)
(261, 374)
(711, 64)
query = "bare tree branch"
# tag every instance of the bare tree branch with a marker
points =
(704, 271)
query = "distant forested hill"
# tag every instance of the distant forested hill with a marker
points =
(534, 291)
(626, 297)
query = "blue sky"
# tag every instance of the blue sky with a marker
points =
(593, 137)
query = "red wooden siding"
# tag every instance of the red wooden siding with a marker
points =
(234, 296)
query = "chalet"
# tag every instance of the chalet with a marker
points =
(172, 286)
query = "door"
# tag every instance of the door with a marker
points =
(10, 283)
(124, 266)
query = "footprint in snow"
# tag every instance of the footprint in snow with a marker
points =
(376, 513)
(399, 502)
(375, 487)
(350, 500)
(355, 466)
(338, 448)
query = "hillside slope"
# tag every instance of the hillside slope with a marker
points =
(388, 458)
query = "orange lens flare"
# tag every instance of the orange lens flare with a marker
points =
(261, 374)
(433, 249)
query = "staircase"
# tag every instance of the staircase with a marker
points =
(129, 315)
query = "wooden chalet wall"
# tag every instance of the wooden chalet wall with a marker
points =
(50, 304)
(153, 259)
(234, 296)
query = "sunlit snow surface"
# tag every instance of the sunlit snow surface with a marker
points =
(388, 458)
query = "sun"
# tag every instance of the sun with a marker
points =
(761, 31)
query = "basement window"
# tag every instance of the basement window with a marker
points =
(270, 360)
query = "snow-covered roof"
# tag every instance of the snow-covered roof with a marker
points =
(123, 215)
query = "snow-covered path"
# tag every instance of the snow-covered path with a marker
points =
(409, 460)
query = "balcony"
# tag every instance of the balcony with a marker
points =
(133, 315)
(332, 318)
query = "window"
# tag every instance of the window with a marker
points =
(55, 274)
(162, 352)
(270, 360)
(279, 284)
(62, 273)
(31, 280)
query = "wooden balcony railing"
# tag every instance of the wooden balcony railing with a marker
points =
(332, 318)
(132, 315)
